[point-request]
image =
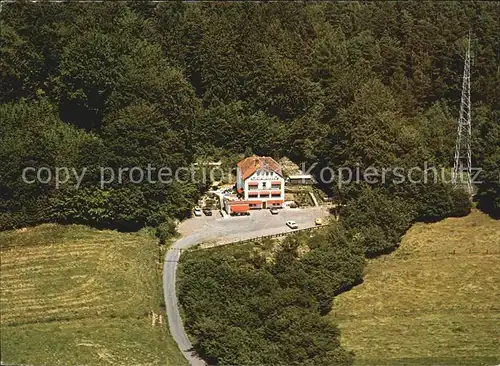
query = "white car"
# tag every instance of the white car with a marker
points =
(197, 211)
(292, 225)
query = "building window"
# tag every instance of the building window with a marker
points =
(253, 186)
(276, 194)
(263, 184)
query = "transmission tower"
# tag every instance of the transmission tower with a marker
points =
(462, 167)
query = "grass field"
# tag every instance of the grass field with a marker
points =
(71, 295)
(434, 301)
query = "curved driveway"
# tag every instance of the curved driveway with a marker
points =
(199, 229)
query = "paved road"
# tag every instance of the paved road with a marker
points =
(199, 229)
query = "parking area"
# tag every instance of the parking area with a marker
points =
(260, 222)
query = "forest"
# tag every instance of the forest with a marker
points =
(132, 84)
(256, 305)
(129, 84)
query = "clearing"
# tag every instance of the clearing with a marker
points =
(432, 301)
(75, 295)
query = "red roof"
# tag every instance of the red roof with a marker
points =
(240, 208)
(250, 165)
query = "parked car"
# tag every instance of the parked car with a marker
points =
(197, 211)
(207, 211)
(292, 225)
(273, 211)
(319, 221)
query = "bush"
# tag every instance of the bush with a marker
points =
(488, 194)
(437, 201)
(87, 205)
(461, 203)
(378, 218)
(6, 221)
(33, 211)
(211, 203)
(148, 231)
(335, 264)
(165, 231)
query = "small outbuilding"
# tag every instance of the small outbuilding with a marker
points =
(301, 179)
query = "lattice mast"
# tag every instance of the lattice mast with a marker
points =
(462, 168)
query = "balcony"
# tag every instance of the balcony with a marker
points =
(253, 186)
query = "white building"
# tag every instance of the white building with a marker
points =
(261, 182)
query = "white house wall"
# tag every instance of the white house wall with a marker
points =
(261, 177)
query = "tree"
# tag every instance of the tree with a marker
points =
(243, 308)
(380, 220)
(486, 148)
(334, 264)
(165, 230)
(33, 137)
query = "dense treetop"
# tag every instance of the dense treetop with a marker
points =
(115, 83)
(263, 304)
(132, 84)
